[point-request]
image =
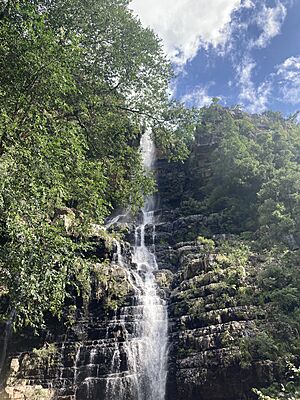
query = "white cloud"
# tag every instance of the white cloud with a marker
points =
(248, 4)
(254, 99)
(197, 98)
(290, 69)
(269, 20)
(289, 79)
(255, 96)
(285, 81)
(244, 74)
(186, 25)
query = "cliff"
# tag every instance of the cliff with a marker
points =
(221, 332)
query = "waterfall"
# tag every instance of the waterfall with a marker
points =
(144, 348)
(125, 357)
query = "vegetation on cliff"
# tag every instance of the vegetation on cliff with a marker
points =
(253, 177)
(250, 187)
(79, 82)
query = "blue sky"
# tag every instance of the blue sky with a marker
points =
(245, 52)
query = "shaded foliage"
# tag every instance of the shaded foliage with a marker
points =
(79, 83)
(252, 180)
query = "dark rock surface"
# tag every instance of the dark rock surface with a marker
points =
(207, 318)
(204, 356)
(72, 362)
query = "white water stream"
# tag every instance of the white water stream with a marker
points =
(145, 346)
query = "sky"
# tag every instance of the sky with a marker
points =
(244, 52)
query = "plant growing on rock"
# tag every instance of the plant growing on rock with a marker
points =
(80, 82)
(208, 244)
(288, 390)
(45, 352)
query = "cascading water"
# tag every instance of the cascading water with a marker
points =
(144, 346)
(125, 358)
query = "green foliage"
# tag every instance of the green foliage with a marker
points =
(279, 209)
(252, 178)
(79, 82)
(111, 284)
(289, 389)
(277, 294)
(233, 253)
(225, 285)
(257, 348)
(279, 285)
(45, 352)
(208, 244)
(243, 177)
(175, 135)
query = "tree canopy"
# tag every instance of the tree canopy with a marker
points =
(79, 82)
(252, 182)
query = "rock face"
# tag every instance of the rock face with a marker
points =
(207, 321)
(205, 357)
(207, 316)
(70, 363)
(22, 389)
(72, 359)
